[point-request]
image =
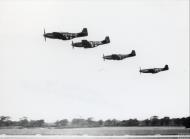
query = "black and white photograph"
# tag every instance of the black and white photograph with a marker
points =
(97, 69)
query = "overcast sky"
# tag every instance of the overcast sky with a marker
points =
(50, 80)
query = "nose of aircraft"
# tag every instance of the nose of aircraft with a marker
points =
(47, 35)
(44, 35)
(73, 44)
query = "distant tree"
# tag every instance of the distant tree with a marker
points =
(79, 122)
(62, 123)
(154, 121)
(100, 123)
(5, 121)
(186, 122)
(23, 122)
(36, 123)
(108, 122)
(176, 122)
(92, 123)
(123, 123)
(146, 122)
(115, 122)
(89, 122)
(165, 121)
(4, 118)
(132, 122)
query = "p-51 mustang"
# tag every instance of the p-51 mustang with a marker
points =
(65, 35)
(119, 56)
(154, 70)
(90, 44)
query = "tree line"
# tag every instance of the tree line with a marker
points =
(24, 122)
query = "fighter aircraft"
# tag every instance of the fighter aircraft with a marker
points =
(65, 35)
(119, 56)
(154, 70)
(90, 44)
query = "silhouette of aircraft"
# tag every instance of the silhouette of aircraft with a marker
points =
(90, 44)
(154, 70)
(65, 35)
(119, 56)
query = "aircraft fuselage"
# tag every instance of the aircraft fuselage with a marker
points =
(66, 35)
(154, 70)
(62, 36)
(90, 44)
(119, 56)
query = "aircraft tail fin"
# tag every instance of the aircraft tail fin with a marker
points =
(106, 40)
(84, 31)
(166, 67)
(44, 34)
(133, 53)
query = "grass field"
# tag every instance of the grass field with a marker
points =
(100, 131)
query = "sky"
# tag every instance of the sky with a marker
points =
(50, 80)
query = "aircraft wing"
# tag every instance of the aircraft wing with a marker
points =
(86, 43)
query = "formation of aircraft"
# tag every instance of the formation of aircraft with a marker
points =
(119, 56)
(154, 70)
(65, 35)
(92, 44)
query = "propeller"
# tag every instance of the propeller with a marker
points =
(44, 34)
(103, 57)
(73, 44)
